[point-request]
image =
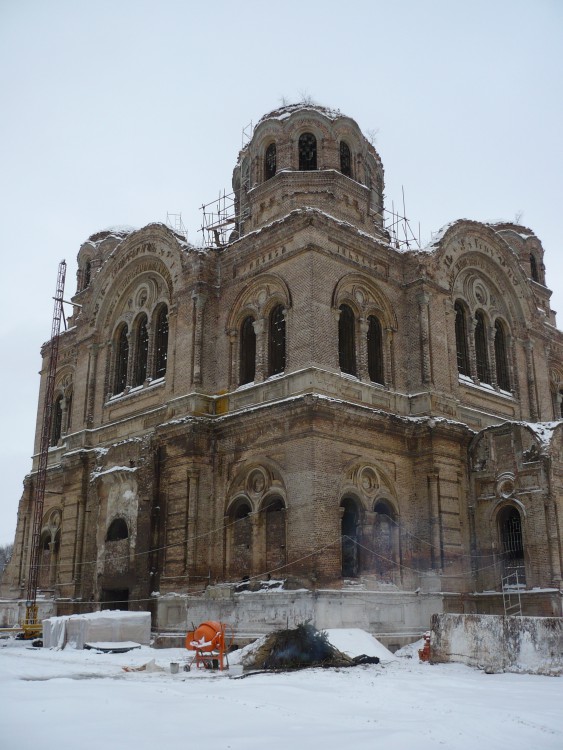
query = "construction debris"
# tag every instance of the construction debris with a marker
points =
(299, 648)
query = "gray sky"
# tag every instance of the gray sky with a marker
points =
(119, 112)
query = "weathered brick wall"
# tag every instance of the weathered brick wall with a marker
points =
(177, 457)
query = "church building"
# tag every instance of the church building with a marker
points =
(303, 418)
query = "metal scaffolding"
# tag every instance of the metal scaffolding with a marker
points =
(32, 626)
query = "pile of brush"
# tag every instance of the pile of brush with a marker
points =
(301, 647)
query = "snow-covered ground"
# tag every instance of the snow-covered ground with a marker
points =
(83, 699)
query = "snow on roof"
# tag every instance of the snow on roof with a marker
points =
(282, 113)
(542, 430)
(111, 470)
(519, 229)
(381, 238)
(118, 231)
(438, 236)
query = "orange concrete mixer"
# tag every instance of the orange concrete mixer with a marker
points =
(209, 641)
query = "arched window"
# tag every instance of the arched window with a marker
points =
(349, 531)
(276, 341)
(247, 351)
(118, 530)
(461, 340)
(346, 340)
(121, 360)
(86, 274)
(534, 267)
(385, 533)
(241, 540)
(57, 423)
(68, 412)
(275, 534)
(270, 161)
(503, 379)
(375, 350)
(141, 352)
(512, 542)
(307, 152)
(481, 349)
(44, 574)
(345, 159)
(161, 343)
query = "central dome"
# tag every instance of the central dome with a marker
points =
(308, 156)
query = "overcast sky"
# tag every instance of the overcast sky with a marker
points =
(119, 112)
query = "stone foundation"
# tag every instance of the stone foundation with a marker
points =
(499, 644)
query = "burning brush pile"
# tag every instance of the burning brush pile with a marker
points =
(299, 648)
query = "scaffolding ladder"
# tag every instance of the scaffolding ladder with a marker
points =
(511, 583)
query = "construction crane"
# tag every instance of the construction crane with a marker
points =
(32, 626)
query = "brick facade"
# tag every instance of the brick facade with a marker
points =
(418, 463)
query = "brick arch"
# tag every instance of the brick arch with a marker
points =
(256, 544)
(369, 482)
(256, 479)
(258, 298)
(152, 252)
(365, 298)
(471, 246)
(374, 546)
(373, 351)
(251, 357)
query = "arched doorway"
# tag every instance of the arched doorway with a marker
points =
(349, 533)
(512, 543)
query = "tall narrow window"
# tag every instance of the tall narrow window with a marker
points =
(349, 531)
(375, 350)
(87, 277)
(241, 541)
(534, 267)
(247, 351)
(503, 379)
(481, 352)
(44, 576)
(277, 341)
(270, 161)
(57, 423)
(275, 534)
(307, 152)
(384, 537)
(141, 352)
(121, 360)
(512, 542)
(346, 340)
(461, 340)
(161, 343)
(68, 425)
(345, 159)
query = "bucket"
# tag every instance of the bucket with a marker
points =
(174, 667)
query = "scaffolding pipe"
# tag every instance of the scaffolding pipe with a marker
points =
(32, 626)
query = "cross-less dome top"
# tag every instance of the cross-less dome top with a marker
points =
(308, 156)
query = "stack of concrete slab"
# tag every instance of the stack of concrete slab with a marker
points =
(108, 627)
